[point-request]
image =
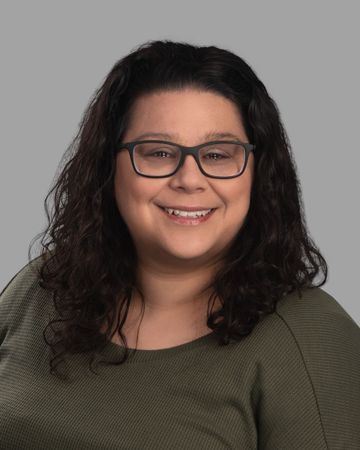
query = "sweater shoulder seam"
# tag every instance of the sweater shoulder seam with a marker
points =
(307, 372)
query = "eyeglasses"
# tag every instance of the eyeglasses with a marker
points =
(216, 159)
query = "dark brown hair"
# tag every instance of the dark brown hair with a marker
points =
(89, 262)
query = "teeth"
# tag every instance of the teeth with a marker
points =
(176, 212)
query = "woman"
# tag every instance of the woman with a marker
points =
(179, 258)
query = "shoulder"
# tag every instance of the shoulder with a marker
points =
(314, 303)
(312, 322)
(15, 295)
(319, 326)
(22, 280)
(308, 377)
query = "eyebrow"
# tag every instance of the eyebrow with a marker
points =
(210, 135)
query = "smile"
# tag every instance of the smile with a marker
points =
(186, 217)
(195, 214)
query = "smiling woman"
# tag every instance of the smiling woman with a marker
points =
(174, 252)
(180, 259)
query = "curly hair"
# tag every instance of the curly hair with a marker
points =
(89, 262)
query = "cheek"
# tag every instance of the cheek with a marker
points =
(122, 190)
(134, 195)
(238, 192)
(238, 202)
(126, 191)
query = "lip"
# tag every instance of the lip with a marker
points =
(190, 221)
(187, 208)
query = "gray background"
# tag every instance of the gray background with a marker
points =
(54, 56)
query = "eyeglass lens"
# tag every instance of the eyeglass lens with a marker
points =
(159, 159)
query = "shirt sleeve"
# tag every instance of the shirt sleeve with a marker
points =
(310, 383)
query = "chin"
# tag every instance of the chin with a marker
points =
(184, 251)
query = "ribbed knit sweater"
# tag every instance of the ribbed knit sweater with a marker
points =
(292, 384)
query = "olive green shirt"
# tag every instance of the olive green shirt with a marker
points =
(293, 383)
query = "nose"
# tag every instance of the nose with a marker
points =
(190, 165)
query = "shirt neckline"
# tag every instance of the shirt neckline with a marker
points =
(141, 355)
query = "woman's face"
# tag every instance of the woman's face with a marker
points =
(187, 116)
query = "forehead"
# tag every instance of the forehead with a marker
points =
(189, 113)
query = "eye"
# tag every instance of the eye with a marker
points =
(158, 152)
(218, 156)
(150, 149)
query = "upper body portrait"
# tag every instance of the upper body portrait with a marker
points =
(175, 303)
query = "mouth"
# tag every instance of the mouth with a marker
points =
(187, 220)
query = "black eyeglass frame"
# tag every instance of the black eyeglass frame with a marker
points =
(186, 151)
